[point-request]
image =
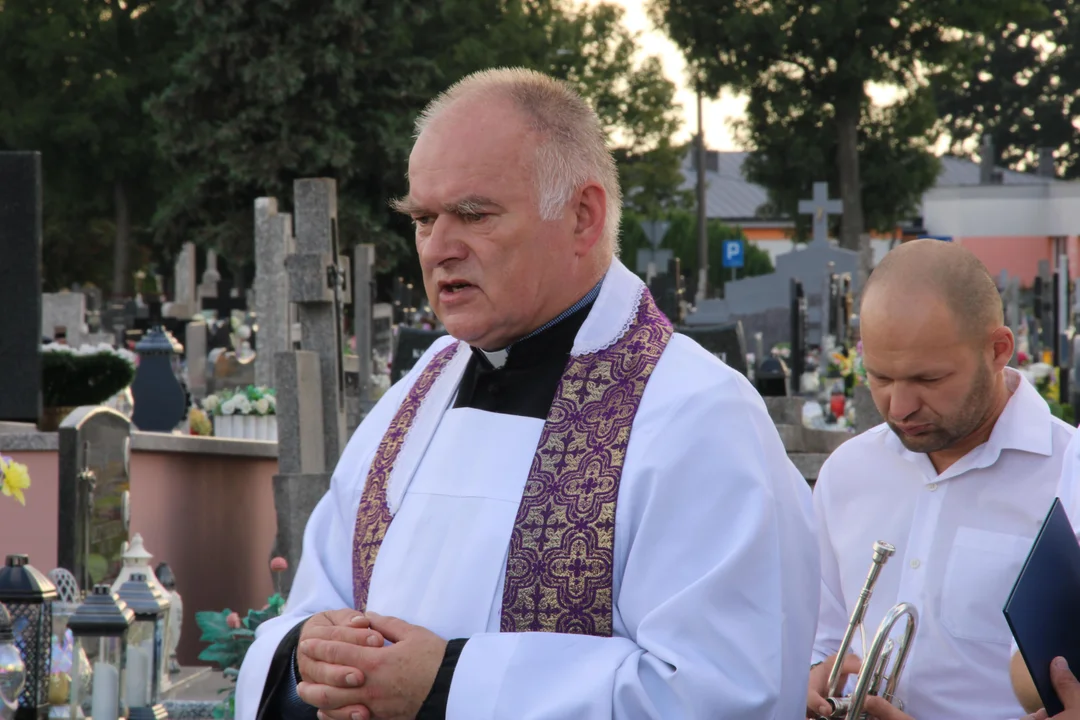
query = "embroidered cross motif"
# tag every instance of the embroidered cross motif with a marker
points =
(571, 566)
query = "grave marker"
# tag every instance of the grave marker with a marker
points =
(94, 482)
(310, 381)
(759, 302)
(62, 317)
(20, 276)
(273, 243)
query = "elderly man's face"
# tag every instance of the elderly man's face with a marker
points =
(491, 266)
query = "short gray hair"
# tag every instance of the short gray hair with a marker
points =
(572, 150)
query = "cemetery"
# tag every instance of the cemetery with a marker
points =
(163, 445)
(201, 430)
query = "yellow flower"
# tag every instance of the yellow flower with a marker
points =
(844, 362)
(14, 478)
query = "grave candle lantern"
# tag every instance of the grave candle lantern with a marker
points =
(159, 398)
(28, 595)
(146, 648)
(100, 628)
(12, 668)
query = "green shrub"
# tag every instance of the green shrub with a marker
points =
(71, 380)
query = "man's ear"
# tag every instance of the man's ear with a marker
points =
(590, 216)
(1003, 345)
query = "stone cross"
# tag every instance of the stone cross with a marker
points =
(318, 283)
(273, 243)
(310, 381)
(820, 206)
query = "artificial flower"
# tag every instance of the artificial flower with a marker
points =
(14, 478)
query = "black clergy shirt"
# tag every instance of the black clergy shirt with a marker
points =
(524, 385)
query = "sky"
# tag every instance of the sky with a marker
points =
(718, 112)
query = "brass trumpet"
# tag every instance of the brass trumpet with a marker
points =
(875, 666)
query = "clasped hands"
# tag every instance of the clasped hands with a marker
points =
(348, 671)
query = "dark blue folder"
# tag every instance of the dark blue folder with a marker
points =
(1043, 610)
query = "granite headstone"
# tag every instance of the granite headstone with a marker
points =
(94, 484)
(20, 276)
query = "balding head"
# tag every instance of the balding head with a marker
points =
(933, 271)
(935, 346)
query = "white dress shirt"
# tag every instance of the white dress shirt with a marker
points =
(1068, 489)
(961, 538)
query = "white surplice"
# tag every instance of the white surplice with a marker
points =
(961, 538)
(716, 569)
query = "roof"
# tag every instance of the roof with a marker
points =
(731, 197)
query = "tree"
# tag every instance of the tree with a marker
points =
(793, 143)
(268, 92)
(73, 75)
(1023, 92)
(831, 50)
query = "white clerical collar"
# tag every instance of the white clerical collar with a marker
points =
(498, 358)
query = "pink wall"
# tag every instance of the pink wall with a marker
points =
(1020, 256)
(211, 517)
(32, 530)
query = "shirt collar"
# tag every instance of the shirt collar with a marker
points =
(539, 338)
(1025, 424)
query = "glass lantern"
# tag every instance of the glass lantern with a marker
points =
(69, 597)
(12, 669)
(100, 628)
(146, 647)
(29, 595)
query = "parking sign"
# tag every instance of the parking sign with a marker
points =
(733, 254)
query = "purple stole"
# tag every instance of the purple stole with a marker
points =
(559, 572)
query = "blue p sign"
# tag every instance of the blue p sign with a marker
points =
(733, 254)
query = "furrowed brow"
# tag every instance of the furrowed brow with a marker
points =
(407, 206)
(471, 205)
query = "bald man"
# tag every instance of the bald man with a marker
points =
(959, 479)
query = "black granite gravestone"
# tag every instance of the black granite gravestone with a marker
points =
(411, 345)
(94, 474)
(798, 335)
(725, 341)
(772, 378)
(20, 278)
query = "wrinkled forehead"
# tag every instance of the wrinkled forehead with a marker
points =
(473, 147)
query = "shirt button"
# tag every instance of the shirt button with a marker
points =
(932, 487)
(915, 564)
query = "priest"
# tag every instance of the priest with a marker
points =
(565, 510)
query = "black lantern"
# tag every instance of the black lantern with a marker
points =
(146, 648)
(28, 595)
(100, 628)
(12, 668)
